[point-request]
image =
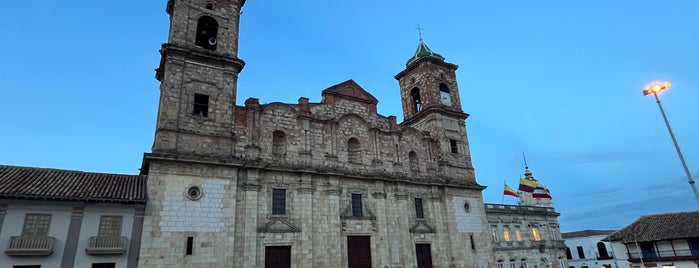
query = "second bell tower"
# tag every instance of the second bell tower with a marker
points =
(198, 76)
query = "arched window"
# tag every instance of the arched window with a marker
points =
(412, 159)
(278, 143)
(354, 150)
(417, 104)
(602, 249)
(207, 28)
(444, 95)
(568, 254)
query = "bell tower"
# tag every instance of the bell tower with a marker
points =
(428, 83)
(198, 76)
(431, 103)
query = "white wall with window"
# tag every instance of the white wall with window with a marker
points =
(586, 248)
(14, 223)
(104, 221)
(43, 219)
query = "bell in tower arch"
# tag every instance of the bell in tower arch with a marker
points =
(207, 28)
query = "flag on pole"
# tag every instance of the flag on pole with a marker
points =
(510, 191)
(527, 185)
(540, 191)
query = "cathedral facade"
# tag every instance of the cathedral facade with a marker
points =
(328, 184)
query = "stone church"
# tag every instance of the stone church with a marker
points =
(328, 184)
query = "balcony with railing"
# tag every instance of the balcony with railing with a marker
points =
(107, 245)
(30, 246)
(529, 244)
(664, 255)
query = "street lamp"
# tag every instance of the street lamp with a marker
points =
(654, 89)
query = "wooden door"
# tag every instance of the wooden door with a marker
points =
(358, 252)
(278, 257)
(424, 255)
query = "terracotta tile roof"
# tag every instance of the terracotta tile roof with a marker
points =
(678, 225)
(586, 233)
(69, 185)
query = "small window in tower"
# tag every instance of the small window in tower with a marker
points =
(190, 245)
(444, 94)
(209, 5)
(201, 105)
(417, 104)
(454, 146)
(207, 28)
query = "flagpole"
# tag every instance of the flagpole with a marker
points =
(503, 194)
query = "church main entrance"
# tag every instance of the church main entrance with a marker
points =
(424, 255)
(278, 257)
(359, 252)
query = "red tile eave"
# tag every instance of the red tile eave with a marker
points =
(73, 199)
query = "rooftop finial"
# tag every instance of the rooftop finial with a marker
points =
(419, 31)
(525, 161)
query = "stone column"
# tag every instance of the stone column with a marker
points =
(69, 251)
(442, 246)
(305, 209)
(328, 235)
(404, 244)
(250, 249)
(380, 237)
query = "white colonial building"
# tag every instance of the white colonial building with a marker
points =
(587, 249)
(669, 240)
(62, 218)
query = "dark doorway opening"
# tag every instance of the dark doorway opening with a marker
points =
(424, 255)
(358, 252)
(278, 257)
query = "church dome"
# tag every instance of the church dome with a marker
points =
(423, 52)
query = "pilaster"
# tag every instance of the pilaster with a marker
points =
(136, 232)
(71, 246)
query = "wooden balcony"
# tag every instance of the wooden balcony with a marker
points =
(30, 246)
(664, 256)
(107, 245)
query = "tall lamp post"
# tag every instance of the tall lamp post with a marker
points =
(654, 89)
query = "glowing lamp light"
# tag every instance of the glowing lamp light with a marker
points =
(656, 87)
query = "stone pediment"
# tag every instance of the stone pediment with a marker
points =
(279, 225)
(350, 90)
(367, 214)
(422, 227)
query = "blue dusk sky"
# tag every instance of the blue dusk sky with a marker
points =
(560, 81)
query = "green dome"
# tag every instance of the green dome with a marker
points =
(423, 51)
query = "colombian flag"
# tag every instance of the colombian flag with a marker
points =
(540, 191)
(526, 185)
(510, 191)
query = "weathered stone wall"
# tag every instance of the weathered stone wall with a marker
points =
(319, 141)
(171, 216)
(317, 220)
